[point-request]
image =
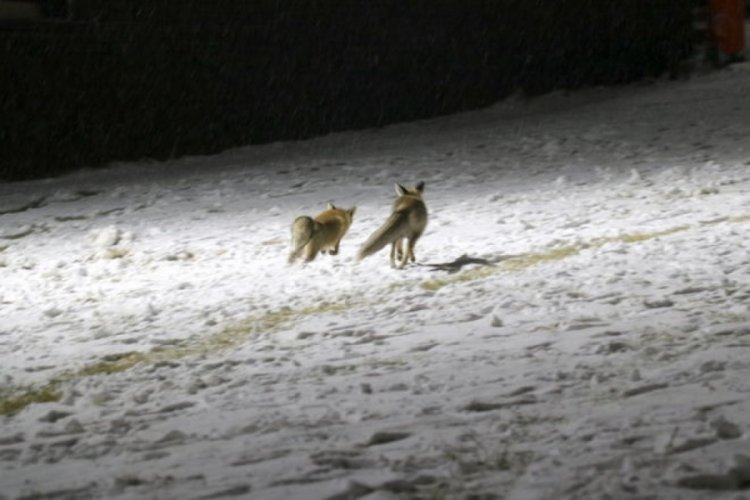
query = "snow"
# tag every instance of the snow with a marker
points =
(593, 342)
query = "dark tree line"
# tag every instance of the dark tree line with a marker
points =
(127, 79)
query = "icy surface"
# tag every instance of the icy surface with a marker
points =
(594, 342)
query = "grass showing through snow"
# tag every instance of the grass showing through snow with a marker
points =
(521, 262)
(15, 399)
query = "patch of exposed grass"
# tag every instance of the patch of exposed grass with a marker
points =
(398, 285)
(470, 275)
(513, 264)
(14, 401)
(227, 338)
(525, 261)
(236, 334)
(3, 248)
(112, 364)
(274, 241)
(639, 237)
(529, 260)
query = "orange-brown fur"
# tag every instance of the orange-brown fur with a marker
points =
(323, 232)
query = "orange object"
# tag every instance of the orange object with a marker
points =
(728, 25)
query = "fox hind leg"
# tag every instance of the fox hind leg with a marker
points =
(394, 251)
(296, 252)
(404, 252)
(412, 244)
(335, 249)
(311, 251)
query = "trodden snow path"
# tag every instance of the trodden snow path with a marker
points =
(154, 344)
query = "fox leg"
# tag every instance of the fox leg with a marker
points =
(412, 243)
(394, 250)
(398, 253)
(311, 251)
(401, 248)
(296, 252)
(335, 249)
(403, 252)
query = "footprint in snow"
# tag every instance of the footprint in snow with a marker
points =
(735, 475)
(385, 437)
(484, 406)
(233, 491)
(341, 459)
(17, 233)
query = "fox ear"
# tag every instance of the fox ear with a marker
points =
(351, 211)
(331, 206)
(401, 190)
(420, 187)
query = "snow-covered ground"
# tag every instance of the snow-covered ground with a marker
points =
(594, 344)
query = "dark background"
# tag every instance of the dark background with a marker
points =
(104, 80)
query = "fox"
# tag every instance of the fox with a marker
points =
(322, 232)
(402, 229)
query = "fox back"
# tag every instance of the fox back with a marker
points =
(323, 232)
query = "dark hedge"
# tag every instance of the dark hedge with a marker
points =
(125, 80)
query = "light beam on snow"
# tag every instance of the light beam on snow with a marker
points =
(14, 399)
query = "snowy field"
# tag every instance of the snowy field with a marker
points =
(587, 336)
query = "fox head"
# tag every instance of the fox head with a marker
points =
(347, 212)
(415, 191)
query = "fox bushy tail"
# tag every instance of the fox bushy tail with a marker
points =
(387, 233)
(302, 232)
